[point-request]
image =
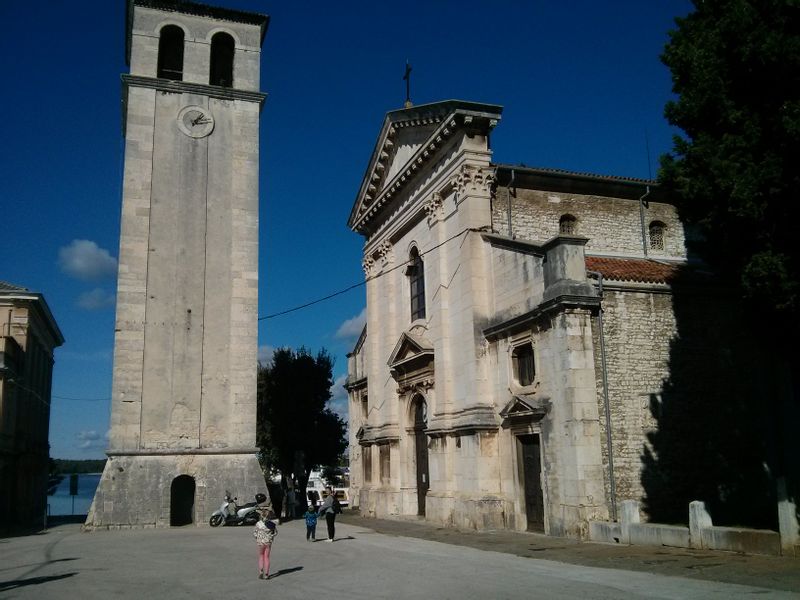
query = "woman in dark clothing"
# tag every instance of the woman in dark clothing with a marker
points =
(330, 508)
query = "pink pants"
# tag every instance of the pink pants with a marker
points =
(263, 557)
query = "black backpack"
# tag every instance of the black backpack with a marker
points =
(337, 507)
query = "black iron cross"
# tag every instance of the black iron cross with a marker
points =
(407, 79)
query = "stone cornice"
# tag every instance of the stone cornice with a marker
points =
(377, 434)
(40, 307)
(184, 87)
(450, 116)
(355, 384)
(471, 419)
(181, 451)
(559, 303)
(374, 199)
(513, 244)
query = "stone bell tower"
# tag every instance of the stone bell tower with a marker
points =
(183, 412)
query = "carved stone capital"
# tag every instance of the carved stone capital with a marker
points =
(433, 208)
(473, 179)
(386, 253)
(368, 264)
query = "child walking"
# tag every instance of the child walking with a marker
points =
(311, 523)
(264, 533)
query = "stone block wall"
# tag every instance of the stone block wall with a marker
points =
(613, 225)
(135, 491)
(638, 327)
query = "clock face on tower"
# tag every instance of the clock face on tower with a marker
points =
(195, 121)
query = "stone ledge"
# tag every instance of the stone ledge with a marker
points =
(735, 539)
(649, 534)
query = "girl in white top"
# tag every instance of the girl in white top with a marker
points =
(264, 532)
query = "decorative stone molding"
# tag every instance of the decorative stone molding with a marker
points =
(386, 252)
(368, 264)
(434, 208)
(473, 179)
(471, 419)
(376, 434)
(412, 385)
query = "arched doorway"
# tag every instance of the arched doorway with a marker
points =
(181, 501)
(421, 451)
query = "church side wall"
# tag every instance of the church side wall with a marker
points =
(638, 328)
(613, 225)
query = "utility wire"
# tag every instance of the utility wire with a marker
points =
(368, 279)
(318, 300)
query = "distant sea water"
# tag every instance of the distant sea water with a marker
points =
(60, 502)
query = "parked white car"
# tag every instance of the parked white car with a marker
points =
(317, 495)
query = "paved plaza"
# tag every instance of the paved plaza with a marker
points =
(371, 559)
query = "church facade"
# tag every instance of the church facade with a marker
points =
(519, 324)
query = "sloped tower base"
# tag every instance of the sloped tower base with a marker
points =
(159, 490)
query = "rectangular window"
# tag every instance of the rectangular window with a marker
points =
(416, 279)
(386, 475)
(524, 367)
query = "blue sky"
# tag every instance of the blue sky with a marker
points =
(581, 83)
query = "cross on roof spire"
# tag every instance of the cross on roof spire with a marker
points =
(407, 79)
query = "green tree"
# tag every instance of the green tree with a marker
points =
(736, 71)
(296, 430)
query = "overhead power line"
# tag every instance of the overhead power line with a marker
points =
(361, 283)
(318, 300)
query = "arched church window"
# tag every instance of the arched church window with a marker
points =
(222, 48)
(170, 53)
(657, 230)
(567, 225)
(416, 279)
(523, 364)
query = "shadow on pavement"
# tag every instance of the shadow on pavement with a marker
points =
(18, 583)
(282, 572)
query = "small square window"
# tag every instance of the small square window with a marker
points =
(657, 229)
(523, 364)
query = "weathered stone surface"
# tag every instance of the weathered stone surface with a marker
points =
(183, 391)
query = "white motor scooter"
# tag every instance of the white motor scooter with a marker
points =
(230, 513)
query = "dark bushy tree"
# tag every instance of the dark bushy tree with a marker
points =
(727, 417)
(296, 430)
(736, 71)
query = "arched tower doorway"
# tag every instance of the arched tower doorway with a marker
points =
(420, 411)
(181, 501)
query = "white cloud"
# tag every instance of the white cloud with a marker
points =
(85, 260)
(265, 353)
(339, 400)
(97, 299)
(351, 328)
(89, 438)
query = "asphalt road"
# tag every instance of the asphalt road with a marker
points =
(201, 562)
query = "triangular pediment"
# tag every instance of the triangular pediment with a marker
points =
(527, 407)
(409, 347)
(409, 139)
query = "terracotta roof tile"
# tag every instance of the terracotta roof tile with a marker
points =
(632, 269)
